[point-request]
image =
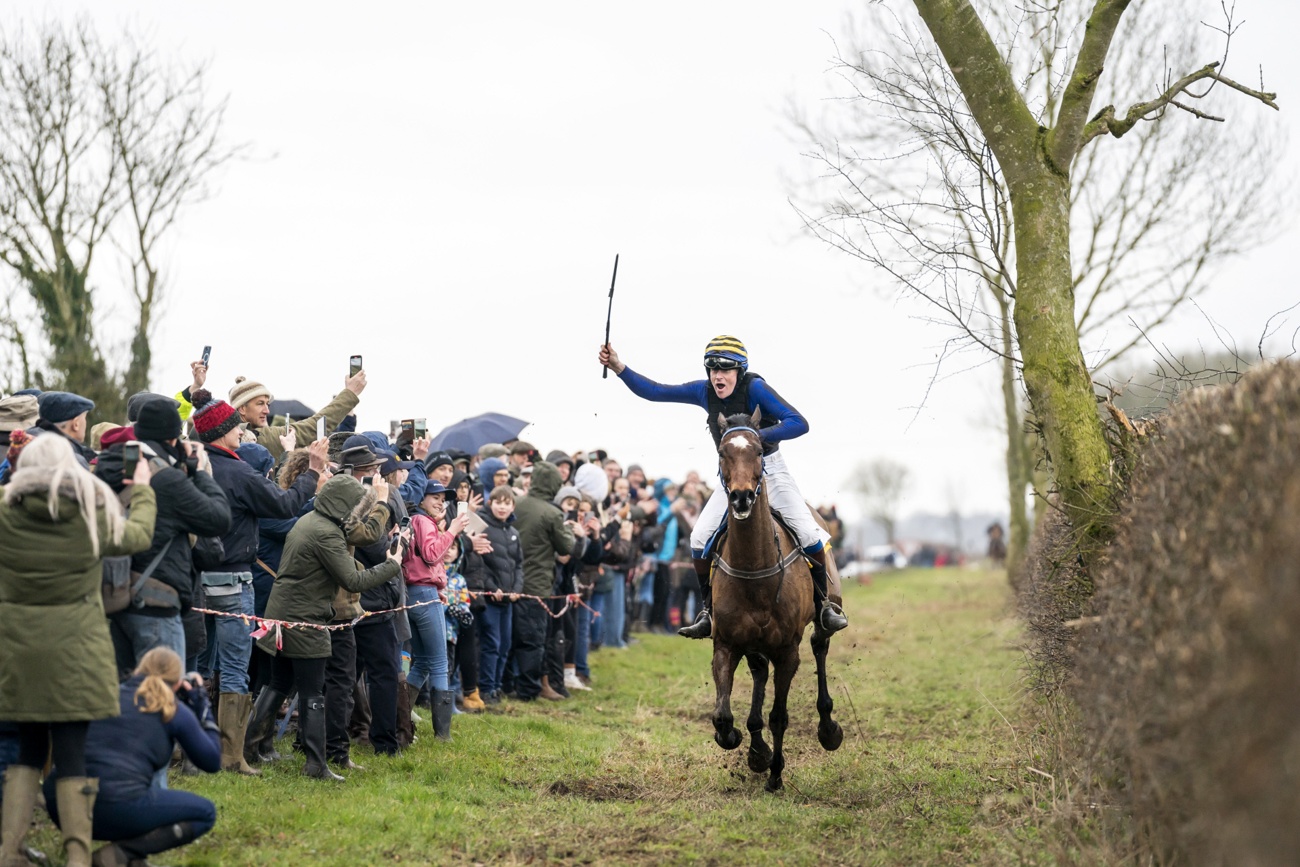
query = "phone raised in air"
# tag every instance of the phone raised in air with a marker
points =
(207, 353)
(354, 366)
(320, 428)
(130, 457)
(421, 427)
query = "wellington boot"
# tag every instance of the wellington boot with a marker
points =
(76, 800)
(311, 726)
(21, 786)
(549, 693)
(473, 703)
(232, 719)
(259, 741)
(443, 701)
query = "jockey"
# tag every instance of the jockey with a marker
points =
(731, 389)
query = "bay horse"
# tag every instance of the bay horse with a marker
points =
(762, 603)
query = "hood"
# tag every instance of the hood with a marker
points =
(488, 468)
(592, 481)
(456, 479)
(345, 501)
(660, 487)
(257, 457)
(546, 481)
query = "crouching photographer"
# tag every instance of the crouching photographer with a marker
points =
(159, 709)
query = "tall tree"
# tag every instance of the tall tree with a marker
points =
(880, 486)
(101, 145)
(962, 205)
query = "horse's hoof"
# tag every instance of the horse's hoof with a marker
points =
(830, 735)
(760, 757)
(773, 784)
(729, 741)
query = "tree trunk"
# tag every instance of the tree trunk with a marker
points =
(137, 373)
(1056, 378)
(1018, 469)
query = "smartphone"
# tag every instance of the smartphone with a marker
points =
(571, 515)
(207, 353)
(407, 432)
(320, 428)
(354, 366)
(421, 427)
(394, 428)
(130, 457)
(288, 420)
(405, 523)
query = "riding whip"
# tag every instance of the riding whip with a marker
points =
(605, 372)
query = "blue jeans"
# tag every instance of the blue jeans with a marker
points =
(428, 638)
(136, 634)
(493, 623)
(615, 613)
(646, 593)
(230, 641)
(582, 641)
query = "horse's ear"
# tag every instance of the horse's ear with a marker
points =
(722, 422)
(756, 417)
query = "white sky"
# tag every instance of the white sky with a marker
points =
(443, 189)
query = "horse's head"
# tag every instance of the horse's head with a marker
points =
(740, 462)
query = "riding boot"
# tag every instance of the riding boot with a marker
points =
(311, 726)
(76, 799)
(21, 786)
(232, 718)
(703, 625)
(829, 615)
(261, 731)
(443, 700)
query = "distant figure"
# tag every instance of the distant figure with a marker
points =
(997, 545)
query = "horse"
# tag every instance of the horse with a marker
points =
(762, 603)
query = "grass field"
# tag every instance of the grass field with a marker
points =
(929, 772)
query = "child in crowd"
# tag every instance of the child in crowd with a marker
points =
(499, 574)
(462, 649)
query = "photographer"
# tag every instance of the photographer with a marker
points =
(189, 502)
(159, 709)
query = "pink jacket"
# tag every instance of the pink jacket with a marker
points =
(422, 562)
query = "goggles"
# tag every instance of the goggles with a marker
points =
(719, 362)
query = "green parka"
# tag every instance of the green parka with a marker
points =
(542, 531)
(316, 562)
(56, 656)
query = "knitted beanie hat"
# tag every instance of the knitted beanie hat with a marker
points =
(246, 390)
(213, 419)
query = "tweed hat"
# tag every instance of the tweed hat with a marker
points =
(492, 450)
(245, 390)
(18, 412)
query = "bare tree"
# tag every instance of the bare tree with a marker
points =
(910, 182)
(880, 485)
(99, 143)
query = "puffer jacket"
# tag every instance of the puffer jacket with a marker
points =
(542, 532)
(317, 563)
(187, 505)
(503, 567)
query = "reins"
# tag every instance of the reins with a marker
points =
(784, 562)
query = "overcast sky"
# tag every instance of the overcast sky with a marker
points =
(442, 189)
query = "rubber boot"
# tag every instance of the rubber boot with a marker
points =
(21, 785)
(132, 853)
(442, 704)
(232, 719)
(261, 730)
(549, 693)
(311, 725)
(703, 625)
(829, 616)
(474, 702)
(76, 800)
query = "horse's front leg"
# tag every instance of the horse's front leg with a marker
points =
(724, 673)
(760, 754)
(785, 667)
(829, 733)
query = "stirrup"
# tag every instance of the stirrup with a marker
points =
(701, 628)
(831, 617)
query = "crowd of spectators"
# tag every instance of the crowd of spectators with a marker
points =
(179, 585)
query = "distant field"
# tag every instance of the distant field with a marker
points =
(629, 773)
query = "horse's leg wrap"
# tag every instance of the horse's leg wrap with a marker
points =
(829, 617)
(703, 625)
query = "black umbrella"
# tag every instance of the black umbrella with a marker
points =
(295, 408)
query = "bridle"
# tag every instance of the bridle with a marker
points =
(761, 457)
(784, 562)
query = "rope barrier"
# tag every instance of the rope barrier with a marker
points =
(264, 625)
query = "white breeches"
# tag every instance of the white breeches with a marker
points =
(782, 494)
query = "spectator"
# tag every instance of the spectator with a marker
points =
(125, 752)
(498, 572)
(57, 522)
(229, 587)
(17, 413)
(563, 463)
(543, 535)
(189, 502)
(462, 642)
(618, 558)
(64, 414)
(316, 563)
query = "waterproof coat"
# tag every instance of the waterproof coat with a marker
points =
(502, 568)
(187, 505)
(251, 496)
(316, 563)
(57, 662)
(542, 531)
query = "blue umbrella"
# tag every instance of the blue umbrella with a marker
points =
(469, 434)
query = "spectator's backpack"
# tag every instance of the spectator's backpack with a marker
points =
(124, 588)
